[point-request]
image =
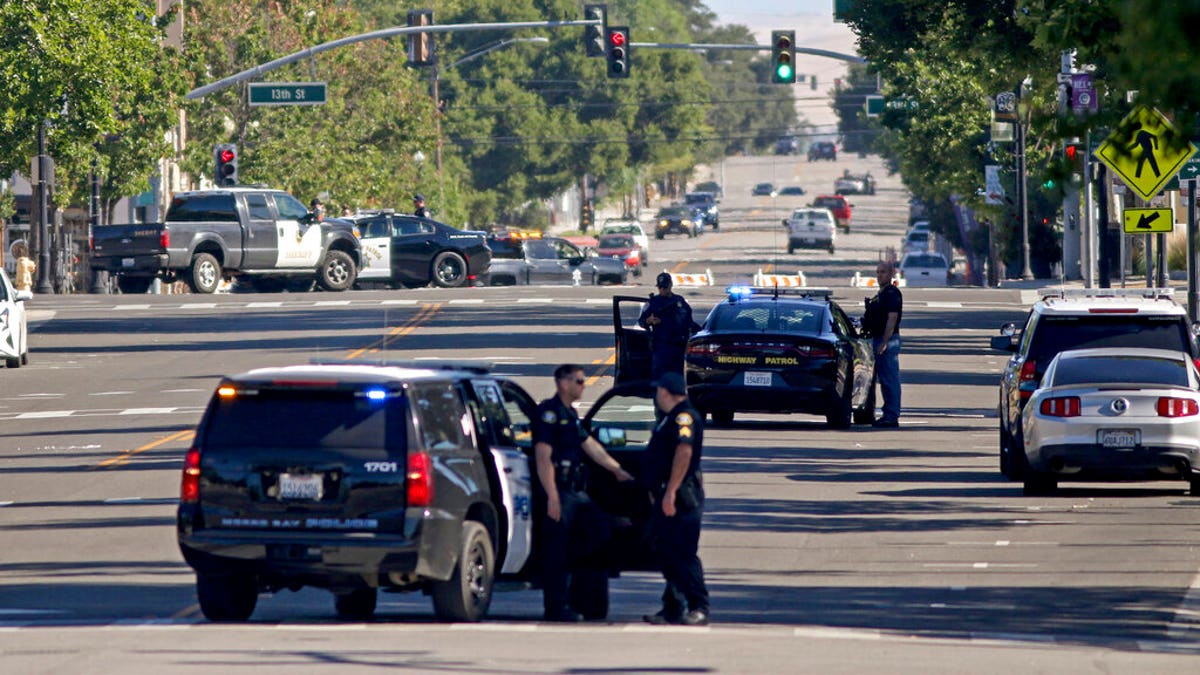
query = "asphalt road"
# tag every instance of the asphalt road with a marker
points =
(826, 551)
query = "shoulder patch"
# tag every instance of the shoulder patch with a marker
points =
(549, 417)
(684, 419)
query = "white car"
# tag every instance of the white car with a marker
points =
(14, 328)
(924, 269)
(1114, 413)
(916, 241)
(811, 228)
(630, 227)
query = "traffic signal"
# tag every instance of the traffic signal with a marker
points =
(420, 45)
(225, 158)
(593, 36)
(616, 40)
(783, 56)
(1074, 153)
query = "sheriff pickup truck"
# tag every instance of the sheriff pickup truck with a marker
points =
(265, 236)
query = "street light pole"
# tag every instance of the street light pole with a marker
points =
(44, 285)
(1023, 186)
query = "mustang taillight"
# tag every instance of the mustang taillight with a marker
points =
(419, 479)
(1169, 406)
(1061, 406)
(1028, 374)
(189, 487)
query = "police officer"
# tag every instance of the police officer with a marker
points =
(672, 474)
(668, 317)
(419, 208)
(572, 526)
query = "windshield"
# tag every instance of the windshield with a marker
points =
(675, 212)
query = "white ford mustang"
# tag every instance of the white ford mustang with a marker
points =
(14, 329)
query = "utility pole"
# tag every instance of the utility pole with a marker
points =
(1072, 238)
(1023, 189)
(98, 276)
(44, 285)
(1105, 253)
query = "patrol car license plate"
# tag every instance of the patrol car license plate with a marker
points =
(126, 262)
(757, 379)
(306, 486)
(1119, 438)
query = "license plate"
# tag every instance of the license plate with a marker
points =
(305, 486)
(757, 379)
(126, 262)
(1119, 438)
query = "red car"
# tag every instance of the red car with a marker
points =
(623, 247)
(840, 208)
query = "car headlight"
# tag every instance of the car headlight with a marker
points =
(664, 223)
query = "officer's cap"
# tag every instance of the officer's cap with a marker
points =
(664, 281)
(418, 198)
(672, 382)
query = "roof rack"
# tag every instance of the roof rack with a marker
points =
(1126, 293)
(481, 367)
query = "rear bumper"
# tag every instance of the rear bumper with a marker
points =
(137, 265)
(1088, 461)
(308, 555)
(740, 398)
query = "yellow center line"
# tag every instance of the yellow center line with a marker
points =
(678, 267)
(769, 269)
(423, 316)
(124, 457)
(595, 377)
(192, 610)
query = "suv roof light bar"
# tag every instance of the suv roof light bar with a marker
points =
(735, 292)
(1071, 293)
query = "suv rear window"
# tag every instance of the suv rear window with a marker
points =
(305, 418)
(828, 202)
(1054, 334)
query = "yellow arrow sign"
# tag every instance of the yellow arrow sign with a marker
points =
(1145, 150)
(1147, 221)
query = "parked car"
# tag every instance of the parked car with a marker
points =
(267, 237)
(631, 227)
(850, 184)
(765, 350)
(676, 219)
(791, 191)
(1079, 319)
(764, 190)
(924, 269)
(841, 208)
(405, 251)
(14, 323)
(706, 204)
(787, 145)
(822, 150)
(621, 247)
(1113, 414)
(811, 228)
(519, 260)
(915, 241)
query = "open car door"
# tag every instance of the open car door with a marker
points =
(623, 420)
(632, 341)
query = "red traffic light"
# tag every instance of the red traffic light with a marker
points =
(227, 155)
(1072, 152)
(617, 39)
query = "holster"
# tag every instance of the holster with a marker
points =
(570, 476)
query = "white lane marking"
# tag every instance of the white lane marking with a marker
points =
(141, 500)
(110, 393)
(124, 307)
(5, 504)
(182, 391)
(979, 565)
(331, 303)
(531, 301)
(598, 301)
(45, 414)
(199, 305)
(409, 303)
(1186, 622)
(258, 305)
(944, 305)
(147, 411)
(1030, 297)
(467, 301)
(45, 395)
(1002, 542)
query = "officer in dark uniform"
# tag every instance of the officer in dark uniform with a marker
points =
(672, 474)
(573, 527)
(419, 208)
(668, 317)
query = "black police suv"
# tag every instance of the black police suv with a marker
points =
(402, 250)
(705, 203)
(768, 351)
(677, 219)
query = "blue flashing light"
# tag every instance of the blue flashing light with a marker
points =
(739, 291)
(376, 394)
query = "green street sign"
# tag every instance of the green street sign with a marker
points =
(1191, 169)
(873, 105)
(287, 93)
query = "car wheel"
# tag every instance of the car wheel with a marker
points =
(226, 597)
(466, 595)
(831, 248)
(866, 414)
(791, 248)
(205, 273)
(1039, 484)
(1194, 484)
(839, 417)
(13, 363)
(722, 418)
(658, 236)
(356, 605)
(449, 270)
(337, 271)
(134, 285)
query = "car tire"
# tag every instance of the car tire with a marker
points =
(449, 270)
(466, 595)
(226, 597)
(722, 418)
(658, 236)
(841, 414)
(1018, 463)
(205, 274)
(831, 248)
(13, 363)
(791, 249)
(1039, 484)
(356, 605)
(866, 414)
(1194, 485)
(337, 271)
(134, 285)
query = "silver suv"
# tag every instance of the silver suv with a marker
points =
(1079, 319)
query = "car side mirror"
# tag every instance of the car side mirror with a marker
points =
(611, 437)
(1008, 329)
(1003, 343)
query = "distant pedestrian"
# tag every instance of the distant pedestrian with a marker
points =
(882, 321)
(419, 208)
(25, 269)
(668, 317)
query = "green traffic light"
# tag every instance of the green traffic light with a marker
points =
(1049, 184)
(783, 71)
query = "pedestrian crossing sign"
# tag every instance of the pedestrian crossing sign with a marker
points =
(1145, 150)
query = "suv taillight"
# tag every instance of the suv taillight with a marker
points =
(189, 487)
(419, 479)
(1061, 406)
(1028, 375)
(164, 238)
(1169, 406)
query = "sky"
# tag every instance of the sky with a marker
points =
(813, 22)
